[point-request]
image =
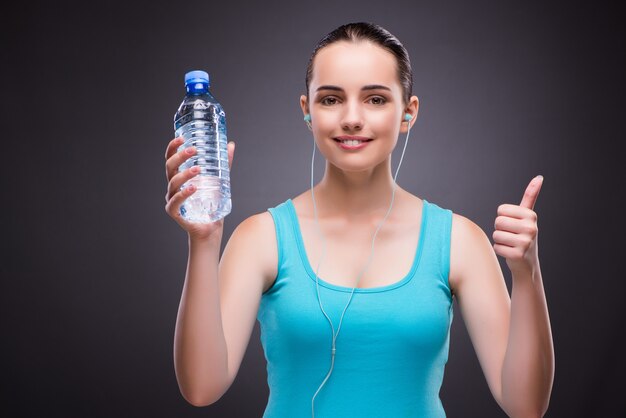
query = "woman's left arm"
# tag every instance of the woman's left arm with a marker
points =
(528, 369)
(512, 337)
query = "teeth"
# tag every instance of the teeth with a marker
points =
(351, 142)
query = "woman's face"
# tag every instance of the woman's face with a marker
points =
(355, 92)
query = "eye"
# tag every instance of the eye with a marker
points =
(378, 100)
(328, 100)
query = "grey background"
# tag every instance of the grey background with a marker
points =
(92, 267)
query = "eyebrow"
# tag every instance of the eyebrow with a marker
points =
(368, 87)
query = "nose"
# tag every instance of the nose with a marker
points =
(352, 120)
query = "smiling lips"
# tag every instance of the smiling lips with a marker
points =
(352, 142)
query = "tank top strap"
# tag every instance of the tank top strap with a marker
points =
(436, 251)
(285, 239)
(435, 257)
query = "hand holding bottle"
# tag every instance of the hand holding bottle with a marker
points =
(201, 121)
(175, 197)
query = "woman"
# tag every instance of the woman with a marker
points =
(368, 334)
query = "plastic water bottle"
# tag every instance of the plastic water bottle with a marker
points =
(201, 121)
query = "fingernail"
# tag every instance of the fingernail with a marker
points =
(540, 177)
(189, 151)
(195, 169)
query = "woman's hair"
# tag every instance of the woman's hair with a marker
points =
(363, 31)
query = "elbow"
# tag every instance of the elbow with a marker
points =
(528, 415)
(526, 411)
(201, 391)
(200, 401)
(203, 395)
(524, 407)
(202, 398)
(526, 404)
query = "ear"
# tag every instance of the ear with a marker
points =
(412, 108)
(304, 105)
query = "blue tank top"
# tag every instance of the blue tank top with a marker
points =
(393, 343)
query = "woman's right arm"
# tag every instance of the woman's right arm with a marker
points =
(218, 307)
(219, 299)
(200, 353)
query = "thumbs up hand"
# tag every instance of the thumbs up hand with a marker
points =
(515, 235)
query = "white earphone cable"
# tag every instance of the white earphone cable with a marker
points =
(334, 335)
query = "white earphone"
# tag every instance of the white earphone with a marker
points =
(307, 118)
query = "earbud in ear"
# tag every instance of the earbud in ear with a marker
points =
(408, 117)
(307, 119)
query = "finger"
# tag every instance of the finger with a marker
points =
(531, 193)
(508, 239)
(173, 163)
(510, 253)
(517, 226)
(231, 153)
(172, 207)
(172, 147)
(179, 180)
(516, 212)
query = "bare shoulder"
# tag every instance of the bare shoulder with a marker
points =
(476, 280)
(258, 234)
(245, 268)
(468, 241)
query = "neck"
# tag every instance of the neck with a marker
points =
(357, 195)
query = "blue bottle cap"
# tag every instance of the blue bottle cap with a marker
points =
(197, 76)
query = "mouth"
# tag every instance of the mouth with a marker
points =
(352, 142)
